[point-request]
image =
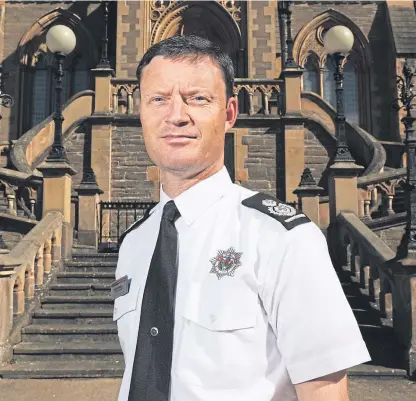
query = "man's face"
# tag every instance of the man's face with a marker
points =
(185, 114)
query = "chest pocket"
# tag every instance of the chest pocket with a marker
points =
(217, 343)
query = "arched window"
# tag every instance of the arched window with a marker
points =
(351, 101)
(42, 88)
(310, 76)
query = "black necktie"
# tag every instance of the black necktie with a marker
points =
(150, 379)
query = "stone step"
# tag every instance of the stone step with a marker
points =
(80, 351)
(85, 277)
(76, 302)
(94, 266)
(62, 369)
(83, 263)
(73, 316)
(90, 256)
(45, 333)
(80, 289)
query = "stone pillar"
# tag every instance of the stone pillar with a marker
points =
(57, 197)
(342, 188)
(88, 214)
(103, 90)
(294, 158)
(308, 196)
(403, 275)
(101, 158)
(294, 141)
(6, 314)
(293, 79)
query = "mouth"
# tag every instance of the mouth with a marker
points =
(178, 138)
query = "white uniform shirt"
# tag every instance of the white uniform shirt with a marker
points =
(281, 318)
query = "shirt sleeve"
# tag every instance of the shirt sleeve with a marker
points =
(317, 333)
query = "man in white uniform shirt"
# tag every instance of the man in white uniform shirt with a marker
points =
(231, 296)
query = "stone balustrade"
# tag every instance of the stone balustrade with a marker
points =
(363, 253)
(376, 193)
(256, 96)
(19, 193)
(24, 270)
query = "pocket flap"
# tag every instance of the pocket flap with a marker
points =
(226, 314)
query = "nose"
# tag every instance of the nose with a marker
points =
(177, 114)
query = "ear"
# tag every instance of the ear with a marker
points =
(231, 113)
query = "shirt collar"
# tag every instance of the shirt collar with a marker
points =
(195, 200)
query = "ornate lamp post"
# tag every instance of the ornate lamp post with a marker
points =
(406, 94)
(104, 62)
(61, 41)
(338, 41)
(5, 99)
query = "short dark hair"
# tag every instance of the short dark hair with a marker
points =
(191, 47)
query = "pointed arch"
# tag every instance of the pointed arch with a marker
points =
(309, 41)
(207, 19)
(66, 17)
(36, 72)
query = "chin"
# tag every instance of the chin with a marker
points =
(186, 164)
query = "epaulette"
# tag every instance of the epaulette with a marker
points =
(136, 224)
(287, 215)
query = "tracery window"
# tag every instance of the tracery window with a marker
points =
(41, 81)
(313, 75)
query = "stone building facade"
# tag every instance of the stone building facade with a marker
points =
(254, 35)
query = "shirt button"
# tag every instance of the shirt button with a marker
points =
(154, 331)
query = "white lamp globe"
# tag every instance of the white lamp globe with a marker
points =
(339, 39)
(61, 39)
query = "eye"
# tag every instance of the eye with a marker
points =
(157, 99)
(199, 99)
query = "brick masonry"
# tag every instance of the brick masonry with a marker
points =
(129, 165)
(392, 236)
(318, 151)
(261, 160)
(128, 31)
(75, 145)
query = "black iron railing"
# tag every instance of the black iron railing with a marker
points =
(117, 217)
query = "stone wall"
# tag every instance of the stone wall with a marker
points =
(261, 160)
(262, 39)
(392, 236)
(129, 165)
(128, 34)
(318, 151)
(75, 145)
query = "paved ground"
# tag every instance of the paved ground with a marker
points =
(107, 389)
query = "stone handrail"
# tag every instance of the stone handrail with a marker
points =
(23, 270)
(377, 191)
(365, 148)
(124, 89)
(364, 254)
(30, 148)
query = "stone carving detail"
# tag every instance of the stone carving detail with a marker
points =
(164, 14)
(232, 8)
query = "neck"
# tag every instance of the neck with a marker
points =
(174, 183)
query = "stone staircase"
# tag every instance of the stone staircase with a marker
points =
(72, 334)
(386, 352)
